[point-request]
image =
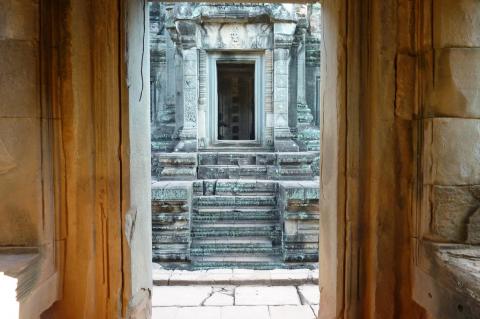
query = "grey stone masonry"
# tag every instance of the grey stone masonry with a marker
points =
(217, 201)
(171, 211)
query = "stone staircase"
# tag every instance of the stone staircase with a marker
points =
(256, 165)
(235, 223)
(222, 209)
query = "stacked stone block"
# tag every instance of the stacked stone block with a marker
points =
(171, 211)
(174, 166)
(451, 127)
(298, 205)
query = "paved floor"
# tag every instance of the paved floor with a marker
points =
(232, 302)
(236, 277)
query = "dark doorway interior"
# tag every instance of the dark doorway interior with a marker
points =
(236, 106)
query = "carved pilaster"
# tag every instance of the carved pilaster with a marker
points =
(188, 133)
(283, 38)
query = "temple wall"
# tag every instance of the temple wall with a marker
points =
(452, 124)
(27, 211)
(235, 35)
(448, 216)
(21, 122)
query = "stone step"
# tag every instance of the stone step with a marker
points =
(234, 224)
(226, 201)
(174, 166)
(275, 264)
(237, 259)
(231, 250)
(236, 158)
(220, 214)
(259, 241)
(269, 231)
(233, 171)
(240, 158)
(221, 245)
(200, 265)
(238, 187)
(161, 255)
(168, 218)
(170, 237)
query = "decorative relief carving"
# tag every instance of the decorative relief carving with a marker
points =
(235, 37)
(190, 112)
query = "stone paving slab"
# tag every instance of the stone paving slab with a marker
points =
(222, 296)
(231, 302)
(180, 295)
(243, 312)
(291, 312)
(263, 295)
(309, 294)
(234, 312)
(199, 313)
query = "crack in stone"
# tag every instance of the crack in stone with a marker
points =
(212, 292)
(302, 298)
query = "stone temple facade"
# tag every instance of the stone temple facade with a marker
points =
(235, 140)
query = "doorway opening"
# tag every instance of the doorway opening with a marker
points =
(235, 154)
(236, 103)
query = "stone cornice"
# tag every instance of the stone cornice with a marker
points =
(235, 12)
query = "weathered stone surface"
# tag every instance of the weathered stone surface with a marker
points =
(452, 208)
(406, 86)
(309, 294)
(457, 83)
(221, 296)
(19, 20)
(199, 313)
(180, 295)
(237, 36)
(291, 312)
(452, 151)
(18, 62)
(456, 23)
(21, 182)
(242, 312)
(473, 231)
(262, 295)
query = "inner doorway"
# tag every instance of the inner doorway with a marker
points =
(236, 103)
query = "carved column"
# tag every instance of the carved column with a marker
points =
(283, 38)
(188, 133)
(300, 38)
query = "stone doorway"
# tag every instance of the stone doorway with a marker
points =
(235, 148)
(236, 101)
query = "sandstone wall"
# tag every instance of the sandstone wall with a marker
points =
(21, 122)
(447, 215)
(451, 140)
(27, 209)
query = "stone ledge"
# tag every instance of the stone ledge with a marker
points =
(448, 283)
(22, 295)
(238, 277)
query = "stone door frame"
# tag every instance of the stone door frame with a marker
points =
(105, 123)
(211, 120)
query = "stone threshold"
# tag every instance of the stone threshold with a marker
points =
(237, 277)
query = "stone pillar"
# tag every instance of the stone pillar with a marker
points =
(188, 133)
(283, 38)
(300, 38)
